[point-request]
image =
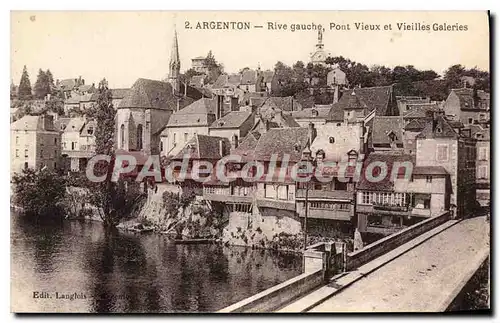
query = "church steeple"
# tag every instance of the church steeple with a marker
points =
(320, 45)
(175, 64)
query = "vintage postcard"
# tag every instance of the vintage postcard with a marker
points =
(249, 162)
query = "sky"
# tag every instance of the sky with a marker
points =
(124, 46)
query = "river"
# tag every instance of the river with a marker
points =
(76, 266)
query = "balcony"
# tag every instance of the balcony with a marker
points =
(329, 214)
(383, 209)
(394, 208)
(276, 204)
(223, 194)
(325, 195)
(426, 213)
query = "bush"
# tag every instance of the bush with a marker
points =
(39, 193)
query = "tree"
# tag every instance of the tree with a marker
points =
(214, 68)
(42, 86)
(50, 80)
(114, 200)
(24, 91)
(39, 193)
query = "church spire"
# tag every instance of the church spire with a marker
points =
(175, 64)
(319, 45)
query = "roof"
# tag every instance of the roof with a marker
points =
(28, 122)
(254, 98)
(205, 147)
(345, 139)
(151, 94)
(198, 58)
(248, 77)
(75, 124)
(429, 170)
(61, 123)
(233, 119)
(267, 76)
(438, 128)
(480, 133)
(67, 84)
(383, 126)
(368, 99)
(119, 93)
(387, 183)
(286, 103)
(74, 99)
(415, 125)
(196, 114)
(466, 98)
(246, 148)
(85, 87)
(89, 124)
(420, 110)
(282, 141)
(316, 112)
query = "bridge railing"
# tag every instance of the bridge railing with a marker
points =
(368, 253)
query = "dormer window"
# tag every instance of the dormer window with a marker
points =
(90, 130)
(315, 113)
(331, 140)
(296, 147)
(320, 154)
(392, 136)
(439, 130)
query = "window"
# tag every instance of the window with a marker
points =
(55, 152)
(471, 121)
(483, 153)
(55, 141)
(483, 172)
(139, 137)
(442, 153)
(17, 152)
(41, 153)
(185, 137)
(64, 145)
(161, 145)
(175, 139)
(17, 140)
(73, 145)
(428, 179)
(366, 198)
(332, 140)
(26, 153)
(427, 203)
(122, 136)
(90, 130)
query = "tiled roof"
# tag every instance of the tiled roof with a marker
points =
(438, 128)
(387, 183)
(345, 139)
(27, 122)
(429, 170)
(316, 112)
(233, 119)
(267, 76)
(378, 98)
(246, 148)
(420, 110)
(89, 124)
(282, 141)
(248, 77)
(75, 124)
(466, 98)
(383, 126)
(255, 99)
(287, 103)
(205, 147)
(415, 125)
(119, 93)
(151, 94)
(199, 113)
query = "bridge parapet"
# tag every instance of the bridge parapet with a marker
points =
(358, 258)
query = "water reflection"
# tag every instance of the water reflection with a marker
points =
(120, 272)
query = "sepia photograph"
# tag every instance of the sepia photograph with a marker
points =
(250, 162)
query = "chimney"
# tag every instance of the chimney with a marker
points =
(221, 148)
(312, 133)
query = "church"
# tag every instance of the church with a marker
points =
(144, 112)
